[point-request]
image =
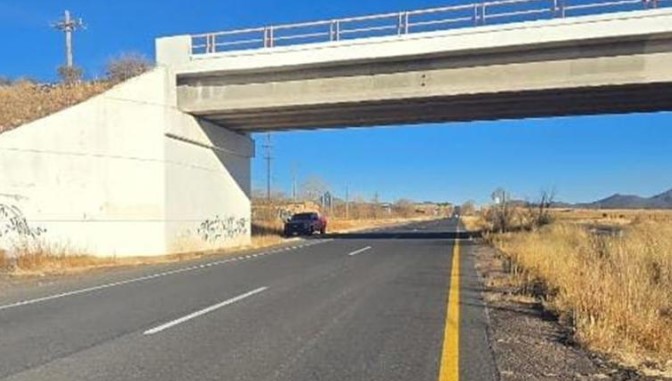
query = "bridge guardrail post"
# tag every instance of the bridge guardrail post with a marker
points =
(268, 37)
(403, 23)
(407, 24)
(475, 14)
(211, 47)
(558, 9)
(483, 5)
(400, 23)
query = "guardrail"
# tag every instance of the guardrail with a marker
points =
(402, 23)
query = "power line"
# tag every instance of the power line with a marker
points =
(67, 26)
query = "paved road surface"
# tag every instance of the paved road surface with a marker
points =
(366, 306)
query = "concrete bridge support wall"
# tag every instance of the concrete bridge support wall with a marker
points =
(125, 173)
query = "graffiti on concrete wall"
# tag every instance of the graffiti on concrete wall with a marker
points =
(216, 229)
(13, 222)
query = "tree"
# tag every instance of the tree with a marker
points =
(70, 74)
(404, 207)
(126, 66)
(468, 208)
(375, 203)
(313, 188)
(543, 215)
(502, 212)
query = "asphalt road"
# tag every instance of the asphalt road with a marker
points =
(365, 306)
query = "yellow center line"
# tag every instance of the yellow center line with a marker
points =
(450, 357)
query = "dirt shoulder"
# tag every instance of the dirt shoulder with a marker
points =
(529, 342)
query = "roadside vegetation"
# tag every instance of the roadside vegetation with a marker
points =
(268, 216)
(606, 274)
(34, 258)
(24, 100)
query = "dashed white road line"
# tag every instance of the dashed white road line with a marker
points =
(147, 277)
(204, 311)
(360, 251)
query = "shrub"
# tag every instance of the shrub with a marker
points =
(70, 74)
(126, 66)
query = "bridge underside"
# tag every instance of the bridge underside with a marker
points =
(506, 105)
(618, 63)
(575, 77)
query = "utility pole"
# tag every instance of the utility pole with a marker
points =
(67, 26)
(347, 202)
(294, 182)
(375, 206)
(268, 147)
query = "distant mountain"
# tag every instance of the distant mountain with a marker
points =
(561, 205)
(620, 201)
(663, 200)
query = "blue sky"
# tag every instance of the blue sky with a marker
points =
(584, 158)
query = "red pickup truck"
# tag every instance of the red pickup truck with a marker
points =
(305, 223)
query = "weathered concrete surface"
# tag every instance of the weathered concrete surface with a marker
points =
(125, 173)
(586, 65)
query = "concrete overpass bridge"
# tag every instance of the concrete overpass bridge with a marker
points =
(429, 66)
(161, 163)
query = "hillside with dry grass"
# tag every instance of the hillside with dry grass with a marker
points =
(23, 102)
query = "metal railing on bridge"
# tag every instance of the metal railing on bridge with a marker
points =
(403, 23)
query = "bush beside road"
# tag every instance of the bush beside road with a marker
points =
(613, 291)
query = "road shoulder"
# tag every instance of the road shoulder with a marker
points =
(528, 342)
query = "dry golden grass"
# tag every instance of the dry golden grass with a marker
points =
(266, 240)
(583, 217)
(611, 217)
(38, 259)
(616, 291)
(50, 261)
(24, 102)
(474, 223)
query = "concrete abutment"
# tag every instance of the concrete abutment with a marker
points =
(125, 174)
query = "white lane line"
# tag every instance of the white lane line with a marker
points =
(204, 311)
(124, 282)
(360, 251)
(96, 288)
